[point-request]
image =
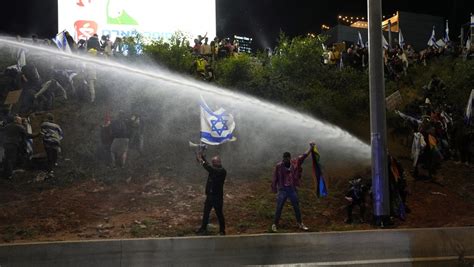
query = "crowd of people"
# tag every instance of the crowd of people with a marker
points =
(41, 85)
(397, 59)
(438, 132)
(205, 52)
(37, 86)
(17, 137)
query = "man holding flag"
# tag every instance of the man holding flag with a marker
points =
(216, 128)
(214, 192)
(286, 178)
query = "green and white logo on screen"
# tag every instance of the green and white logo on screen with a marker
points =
(117, 15)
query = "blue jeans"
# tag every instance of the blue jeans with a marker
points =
(283, 194)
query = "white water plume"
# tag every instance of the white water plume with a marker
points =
(171, 102)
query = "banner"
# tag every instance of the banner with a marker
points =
(394, 101)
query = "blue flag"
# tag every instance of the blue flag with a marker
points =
(360, 42)
(446, 35)
(216, 126)
(401, 39)
(318, 178)
(385, 43)
(61, 42)
(469, 107)
(432, 40)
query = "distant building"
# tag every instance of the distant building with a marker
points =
(245, 44)
(416, 29)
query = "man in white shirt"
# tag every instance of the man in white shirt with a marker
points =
(206, 48)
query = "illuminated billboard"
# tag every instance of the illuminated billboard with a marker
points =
(152, 18)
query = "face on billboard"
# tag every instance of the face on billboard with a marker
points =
(120, 18)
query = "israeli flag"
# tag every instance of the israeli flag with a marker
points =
(360, 42)
(384, 42)
(432, 40)
(29, 142)
(216, 126)
(61, 42)
(446, 35)
(401, 39)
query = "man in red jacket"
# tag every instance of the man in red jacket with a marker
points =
(286, 178)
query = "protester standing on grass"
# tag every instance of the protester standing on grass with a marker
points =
(52, 135)
(14, 137)
(214, 192)
(120, 134)
(286, 178)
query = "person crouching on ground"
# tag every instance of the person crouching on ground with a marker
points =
(286, 178)
(52, 136)
(356, 196)
(214, 192)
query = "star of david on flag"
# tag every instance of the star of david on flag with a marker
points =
(216, 126)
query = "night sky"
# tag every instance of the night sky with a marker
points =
(261, 19)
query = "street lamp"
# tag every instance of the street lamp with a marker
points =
(378, 124)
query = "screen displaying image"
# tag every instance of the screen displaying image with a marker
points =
(122, 18)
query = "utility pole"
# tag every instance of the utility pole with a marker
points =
(378, 124)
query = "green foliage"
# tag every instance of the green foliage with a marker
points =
(132, 42)
(458, 76)
(298, 58)
(294, 76)
(174, 54)
(238, 71)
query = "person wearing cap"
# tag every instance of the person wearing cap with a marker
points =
(214, 192)
(52, 135)
(286, 178)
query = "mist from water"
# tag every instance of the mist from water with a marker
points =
(171, 104)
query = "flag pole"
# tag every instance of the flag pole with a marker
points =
(378, 126)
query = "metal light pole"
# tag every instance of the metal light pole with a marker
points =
(378, 124)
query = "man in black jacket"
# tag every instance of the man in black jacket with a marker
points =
(214, 192)
(356, 197)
